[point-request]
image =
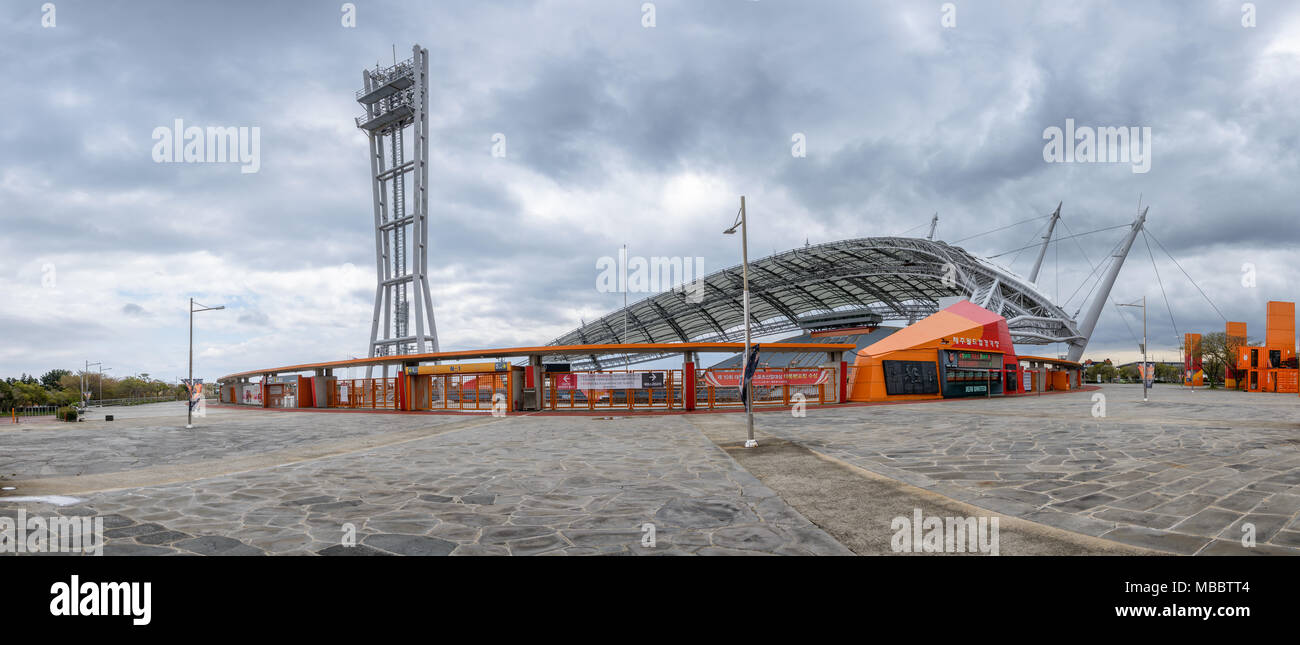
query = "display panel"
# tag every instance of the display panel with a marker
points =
(970, 373)
(910, 377)
(966, 359)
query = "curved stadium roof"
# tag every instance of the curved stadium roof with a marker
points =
(898, 278)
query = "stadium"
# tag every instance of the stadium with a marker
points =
(852, 321)
(870, 319)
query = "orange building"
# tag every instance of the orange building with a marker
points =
(1233, 373)
(1192, 374)
(1272, 366)
(962, 350)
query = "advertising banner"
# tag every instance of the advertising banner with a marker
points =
(195, 388)
(252, 394)
(609, 380)
(769, 378)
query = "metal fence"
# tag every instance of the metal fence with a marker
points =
(30, 411)
(141, 400)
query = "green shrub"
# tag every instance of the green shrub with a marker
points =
(67, 413)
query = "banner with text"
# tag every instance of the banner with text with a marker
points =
(769, 378)
(609, 380)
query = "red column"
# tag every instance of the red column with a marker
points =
(688, 385)
(401, 389)
(844, 382)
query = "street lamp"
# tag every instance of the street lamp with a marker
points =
(189, 403)
(743, 224)
(1145, 383)
(102, 369)
(85, 396)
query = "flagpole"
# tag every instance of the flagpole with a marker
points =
(748, 384)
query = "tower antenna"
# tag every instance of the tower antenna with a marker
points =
(395, 100)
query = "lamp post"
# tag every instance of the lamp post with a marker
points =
(85, 396)
(102, 369)
(189, 389)
(742, 222)
(1145, 383)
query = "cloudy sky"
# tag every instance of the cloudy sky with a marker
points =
(616, 132)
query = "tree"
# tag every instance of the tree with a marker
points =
(52, 380)
(1218, 352)
(1105, 370)
(30, 394)
(1166, 373)
(70, 382)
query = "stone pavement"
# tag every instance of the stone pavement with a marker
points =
(519, 485)
(1181, 474)
(148, 435)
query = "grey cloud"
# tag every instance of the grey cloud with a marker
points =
(903, 119)
(255, 319)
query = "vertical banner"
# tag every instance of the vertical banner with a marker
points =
(751, 364)
(195, 389)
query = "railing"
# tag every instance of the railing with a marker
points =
(373, 393)
(668, 397)
(141, 400)
(30, 411)
(707, 395)
(465, 391)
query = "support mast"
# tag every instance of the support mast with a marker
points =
(1103, 292)
(1047, 240)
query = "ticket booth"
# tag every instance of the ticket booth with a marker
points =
(962, 350)
(485, 386)
(282, 392)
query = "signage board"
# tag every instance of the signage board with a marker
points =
(771, 378)
(609, 380)
(457, 368)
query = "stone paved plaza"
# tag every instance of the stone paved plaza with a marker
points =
(1179, 474)
(476, 485)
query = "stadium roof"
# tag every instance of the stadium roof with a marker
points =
(898, 278)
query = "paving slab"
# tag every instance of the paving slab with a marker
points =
(520, 485)
(1180, 474)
